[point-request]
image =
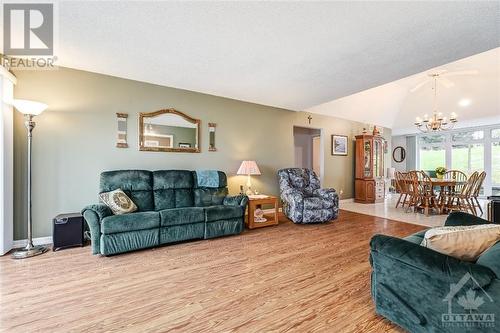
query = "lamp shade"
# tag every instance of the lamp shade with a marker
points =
(29, 107)
(248, 168)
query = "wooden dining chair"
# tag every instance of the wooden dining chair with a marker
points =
(411, 182)
(427, 195)
(476, 190)
(401, 188)
(463, 201)
(457, 176)
(417, 190)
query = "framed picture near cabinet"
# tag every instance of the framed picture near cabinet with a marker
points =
(340, 145)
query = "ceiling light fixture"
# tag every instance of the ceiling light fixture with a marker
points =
(464, 102)
(437, 122)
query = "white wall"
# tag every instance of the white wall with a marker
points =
(303, 145)
(398, 141)
(6, 162)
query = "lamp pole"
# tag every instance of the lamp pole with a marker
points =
(30, 250)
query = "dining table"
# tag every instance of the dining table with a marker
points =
(445, 186)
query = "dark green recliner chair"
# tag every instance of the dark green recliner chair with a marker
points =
(425, 291)
(173, 206)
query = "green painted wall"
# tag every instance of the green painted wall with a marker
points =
(74, 140)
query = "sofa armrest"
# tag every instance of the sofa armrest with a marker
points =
(93, 215)
(325, 193)
(435, 264)
(463, 219)
(235, 200)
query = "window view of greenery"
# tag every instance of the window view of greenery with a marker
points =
(467, 158)
(468, 153)
(432, 157)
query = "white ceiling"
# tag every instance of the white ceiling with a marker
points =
(288, 54)
(394, 105)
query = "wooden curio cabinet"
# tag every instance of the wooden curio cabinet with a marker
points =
(369, 184)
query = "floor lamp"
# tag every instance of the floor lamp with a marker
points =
(30, 109)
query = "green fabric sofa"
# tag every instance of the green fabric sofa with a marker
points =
(425, 291)
(173, 206)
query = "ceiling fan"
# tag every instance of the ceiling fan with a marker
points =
(442, 76)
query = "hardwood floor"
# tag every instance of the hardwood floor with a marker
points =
(287, 278)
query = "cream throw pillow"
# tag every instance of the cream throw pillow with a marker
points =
(118, 202)
(462, 242)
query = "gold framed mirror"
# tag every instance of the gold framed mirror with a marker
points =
(169, 130)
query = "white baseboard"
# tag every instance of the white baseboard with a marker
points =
(346, 200)
(36, 241)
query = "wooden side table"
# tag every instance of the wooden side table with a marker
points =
(254, 203)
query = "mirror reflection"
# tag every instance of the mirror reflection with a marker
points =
(168, 130)
(399, 154)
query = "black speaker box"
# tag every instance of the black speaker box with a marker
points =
(494, 209)
(67, 231)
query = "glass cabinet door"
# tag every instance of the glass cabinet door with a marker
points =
(367, 158)
(378, 158)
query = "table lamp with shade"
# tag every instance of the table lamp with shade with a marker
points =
(30, 109)
(249, 168)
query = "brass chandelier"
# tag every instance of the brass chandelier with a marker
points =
(436, 122)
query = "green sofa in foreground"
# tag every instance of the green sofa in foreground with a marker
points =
(173, 206)
(425, 291)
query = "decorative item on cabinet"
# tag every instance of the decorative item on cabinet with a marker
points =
(211, 136)
(121, 135)
(369, 183)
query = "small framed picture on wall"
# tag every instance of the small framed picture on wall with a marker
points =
(340, 145)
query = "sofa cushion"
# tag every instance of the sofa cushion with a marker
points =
(173, 189)
(129, 241)
(491, 259)
(130, 222)
(215, 213)
(137, 185)
(204, 197)
(462, 242)
(177, 216)
(178, 233)
(224, 227)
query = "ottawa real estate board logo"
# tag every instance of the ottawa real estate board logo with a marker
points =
(28, 36)
(465, 300)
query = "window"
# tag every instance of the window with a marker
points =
(467, 157)
(431, 139)
(467, 136)
(467, 150)
(432, 157)
(495, 161)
